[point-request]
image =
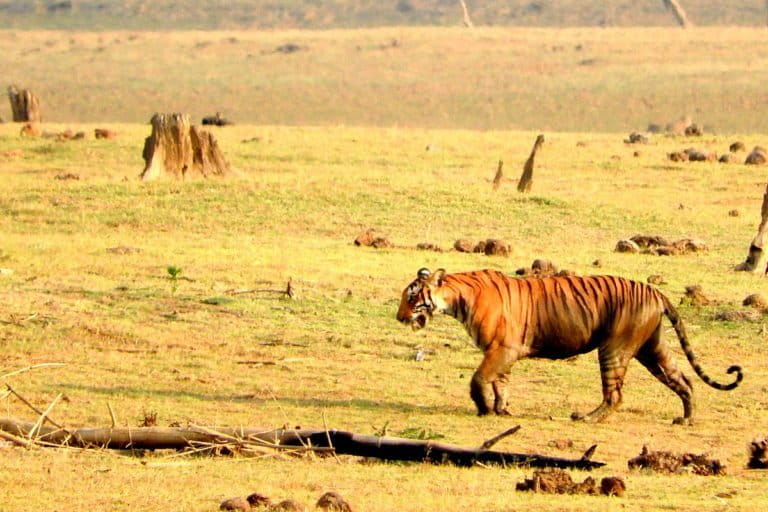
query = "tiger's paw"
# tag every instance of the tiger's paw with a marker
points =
(683, 421)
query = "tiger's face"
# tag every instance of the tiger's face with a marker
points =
(418, 301)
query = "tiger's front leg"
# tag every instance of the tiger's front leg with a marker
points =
(488, 388)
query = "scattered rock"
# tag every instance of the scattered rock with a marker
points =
(333, 502)
(237, 503)
(463, 245)
(495, 247)
(737, 316)
(67, 176)
(289, 48)
(258, 500)
(656, 279)
(627, 246)
(288, 505)
(733, 213)
(668, 462)
(612, 486)
(369, 238)
(558, 481)
(543, 267)
(758, 156)
(678, 156)
(728, 158)
(695, 296)
(758, 453)
(381, 243)
(693, 130)
(755, 300)
(737, 146)
(652, 244)
(479, 247)
(597, 263)
(123, 249)
(561, 444)
(216, 120)
(649, 241)
(103, 133)
(698, 155)
(428, 246)
(636, 138)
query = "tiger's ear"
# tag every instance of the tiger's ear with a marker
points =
(423, 274)
(437, 277)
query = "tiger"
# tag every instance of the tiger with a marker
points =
(557, 317)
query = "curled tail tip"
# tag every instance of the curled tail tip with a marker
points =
(739, 377)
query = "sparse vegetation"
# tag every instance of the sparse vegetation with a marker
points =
(340, 356)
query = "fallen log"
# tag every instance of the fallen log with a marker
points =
(337, 441)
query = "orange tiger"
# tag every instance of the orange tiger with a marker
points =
(555, 318)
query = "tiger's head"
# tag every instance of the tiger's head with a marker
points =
(420, 300)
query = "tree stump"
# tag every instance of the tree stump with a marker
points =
(24, 105)
(526, 180)
(756, 253)
(179, 150)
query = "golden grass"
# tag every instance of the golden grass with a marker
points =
(575, 79)
(129, 339)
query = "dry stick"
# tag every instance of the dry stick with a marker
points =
(15, 439)
(112, 415)
(588, 454)
(43, 416)
(487, 444)
(38, 411)
(28, 368)
(328, 437)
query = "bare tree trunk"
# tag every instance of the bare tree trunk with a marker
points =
(526, 180)
(175, 148)
(679, 12)
(467, 19)
(24, 105)
(499, 176)
(349, 443)
(756, 253)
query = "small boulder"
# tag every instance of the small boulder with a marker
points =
(237, 503)
(627, 246)
(495, 247)
(463, 245)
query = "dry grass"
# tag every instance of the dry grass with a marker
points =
(576, 79)
(129, 338)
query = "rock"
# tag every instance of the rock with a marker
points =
(656, 279)
(463, 245)
(612, 486)
(737, 146)
(627, 246)
(755, 300)
(495, 247)
(258, 500)
(235, 504)
(758, 156)
(333, 502)
(543, 267)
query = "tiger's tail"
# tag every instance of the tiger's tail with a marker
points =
(677, 323)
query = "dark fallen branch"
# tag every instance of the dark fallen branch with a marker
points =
(346, 443)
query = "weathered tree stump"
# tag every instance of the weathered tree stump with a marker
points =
(24, 105)
(526, 180)
(179, 150)
(756, 253)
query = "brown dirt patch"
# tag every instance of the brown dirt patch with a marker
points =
(558, 481)
(668, 462)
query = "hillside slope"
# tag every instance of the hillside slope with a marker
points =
(282, 14)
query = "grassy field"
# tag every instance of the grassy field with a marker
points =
(131, 338)
(311, 14)
(587, 80)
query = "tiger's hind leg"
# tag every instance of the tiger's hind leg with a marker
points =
(613, 367)
(656, 357)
